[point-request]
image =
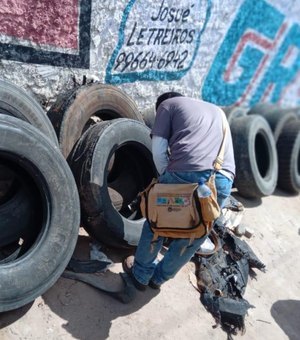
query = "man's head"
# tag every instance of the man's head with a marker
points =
(165, 96)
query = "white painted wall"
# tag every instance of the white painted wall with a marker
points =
(216, 55)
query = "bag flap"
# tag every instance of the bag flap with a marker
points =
(174, 189)
(172, 205)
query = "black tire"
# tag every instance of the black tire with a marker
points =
(16, 215)
(235, 112)
(275, 116)
(288, 149)
(14, 101)
(5, 173)
(73, 110)
(255, 156)
(262, 108)
(227, 109)
(35, 160)
(6, 183)
(149, 117)
(129, 141)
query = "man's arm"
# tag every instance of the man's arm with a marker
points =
(160, 153)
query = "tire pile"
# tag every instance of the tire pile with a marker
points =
(266, 142)
(107, 145)
(39, 203)
(81, 164)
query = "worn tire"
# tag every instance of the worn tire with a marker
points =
(288, 149)
(6, 183)
(34, 158)
(275, 116)
(17, 214)
(14, 101)
(235, 112)
(73, 110)
(255, 156)
(130, 142)
(262, 108)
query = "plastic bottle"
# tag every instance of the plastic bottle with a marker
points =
(203, 190)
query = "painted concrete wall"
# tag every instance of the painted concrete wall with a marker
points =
(224, 51)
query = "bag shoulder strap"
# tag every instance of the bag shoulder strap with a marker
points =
(220, 157)
(145, 194)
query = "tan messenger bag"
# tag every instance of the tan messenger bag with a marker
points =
(176, 211)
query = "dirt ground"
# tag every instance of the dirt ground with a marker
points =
(74, 310)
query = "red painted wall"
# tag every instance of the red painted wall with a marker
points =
(49, 22)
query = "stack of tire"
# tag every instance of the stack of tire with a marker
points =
(266, 140)
(39, 202)
(82, 163)
(85, 161)
(102, 135)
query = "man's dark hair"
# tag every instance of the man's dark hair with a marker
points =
(165, 96)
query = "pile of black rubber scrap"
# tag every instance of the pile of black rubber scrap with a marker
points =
(222, 277)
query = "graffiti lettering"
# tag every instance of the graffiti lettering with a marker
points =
(172, 14)
(280, 73)
(159, 46)
(160, 36)
(245, 54)
(172, 60)
(244, 48)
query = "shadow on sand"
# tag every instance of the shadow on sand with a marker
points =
(86, 310)
(287, 315)
(7, 318)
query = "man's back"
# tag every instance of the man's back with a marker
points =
(194, 131)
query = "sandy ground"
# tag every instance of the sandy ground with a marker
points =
(74, 310)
